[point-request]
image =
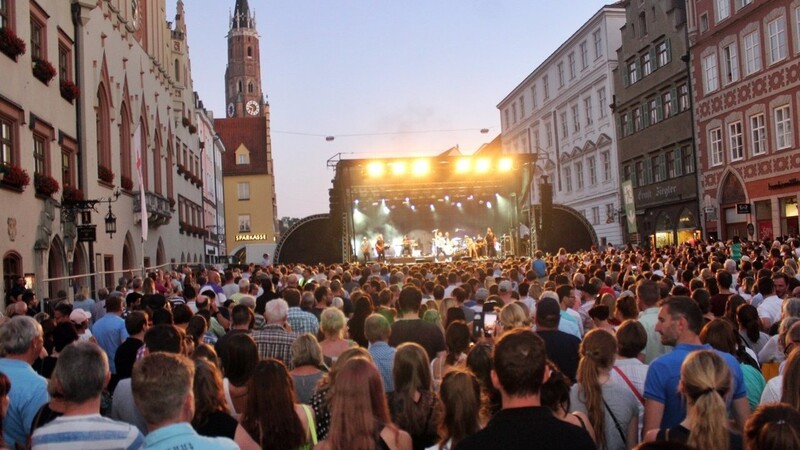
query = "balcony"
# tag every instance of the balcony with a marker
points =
(158, 209)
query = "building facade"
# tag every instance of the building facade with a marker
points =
(121, 88)
(654, 123)
(746, 74)
(212, 149)
(248, 172)
(561, 112)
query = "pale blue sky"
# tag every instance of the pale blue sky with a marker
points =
(338, 67)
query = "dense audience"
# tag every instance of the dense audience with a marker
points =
(689, 346)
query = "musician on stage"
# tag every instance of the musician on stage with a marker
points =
(380, 248)
(472, 247)
(491, 252)
(365, 248)
(406, 246)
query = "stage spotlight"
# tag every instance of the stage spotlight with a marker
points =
(505, 165)
(407, 200)
(433, 208)
(421, 167)
(356, 202)
(447, 198)
(482, 165)
(463, 165)
(489, 205)
(458, 204)
(398, 167)
(413, 207)
(375, 169)
(471, 197)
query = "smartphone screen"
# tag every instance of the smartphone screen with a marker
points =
(489, 319)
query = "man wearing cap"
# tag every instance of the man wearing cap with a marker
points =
(504, 289)
(562, 348)
(481, 294)
(80, 318)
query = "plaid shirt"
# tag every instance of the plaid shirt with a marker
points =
(383, 356)
(274, 341)
(302, 322)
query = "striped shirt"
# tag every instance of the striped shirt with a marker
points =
(87, 432)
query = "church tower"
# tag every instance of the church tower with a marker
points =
(243, 94)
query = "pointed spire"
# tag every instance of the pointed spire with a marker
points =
(242, 17)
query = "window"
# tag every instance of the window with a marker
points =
(669, 162)
(584, 55)
(710, 74)
(752, 53)
(723, 9)
(742, 3)
(688, 160)
(715, 141)
(533, 96)
(514, 111)
(522, 106)
(548, 130)
(592, 163)
(663, 53)
(560, 67)
(652, 111)
(605, 157)
(239, 86)
(625, 124)
(103, 129)
(508, 117)
(244, 223)
(647, 67)
(250, 87)
(640, 177)
(598, 44)
(63, 63)
(596, 215)
(627, 174)
(243, 189)
(568, 178)
(703, 22)
(648, 170)
(683, 97)
(39, 160)
(666, 101)
(777, 39)
(536, 142)
(736, 141)
(633, 72)
(579, 174)
(783, 127)
(66, 168)
(4, 13)
(38, 46)
(546, 86)
(758, 135)
(7, 142)
(637, 119)
(571, 60)
(587, 106)
(576, 119)
(659, 168)
(564, 129)
(642, 24)
(601, 101)
(242, 159)
(731, 61)
(610, 212)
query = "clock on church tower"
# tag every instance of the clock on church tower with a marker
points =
(243, 73)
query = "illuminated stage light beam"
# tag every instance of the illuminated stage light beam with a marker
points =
(421, 167)
(398, 168)
(463, 165)
(375, 169)
(483, 165)
(505, 165)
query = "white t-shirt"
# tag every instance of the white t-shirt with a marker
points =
(770, 308)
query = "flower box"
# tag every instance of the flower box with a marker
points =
(71, 194)
(69, 90)
(10, 44)
(172, 203)
(43, 70)
(185, 121)
(15, 176)
(45, 185)
(181, 170)
(105, 174)
(126, 183)
(192, 129)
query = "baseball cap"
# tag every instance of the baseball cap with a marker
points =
(505, 286)
(547, 307)
(78, 316)
(589, 288)
(481, 294)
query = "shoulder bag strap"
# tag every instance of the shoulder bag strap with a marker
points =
(630, 385)
(312, 427)
(616, 424)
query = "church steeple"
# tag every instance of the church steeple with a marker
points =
(243, 94)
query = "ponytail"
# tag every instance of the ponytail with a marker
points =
(710, 430)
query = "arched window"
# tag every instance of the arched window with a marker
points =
(103, 123)
(239, 86)
(12, 269)
(177, 70)
(125, 146)
(250, 87)
(249, 52)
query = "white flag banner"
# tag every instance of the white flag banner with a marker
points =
(137, 147)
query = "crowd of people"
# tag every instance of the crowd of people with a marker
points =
(689, 346)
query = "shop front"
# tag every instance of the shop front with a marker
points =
(666, 213)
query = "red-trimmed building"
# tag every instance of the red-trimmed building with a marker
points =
(745, 74)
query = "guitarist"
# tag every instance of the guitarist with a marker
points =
(380, 248)
(365, 248)
(406, 246)
(491, 252)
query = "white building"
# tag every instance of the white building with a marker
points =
(561, 110)
(212, 149)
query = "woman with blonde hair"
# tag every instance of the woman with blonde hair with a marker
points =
(359, 416)
(705, 382)
(612, 409)
(308, 365)
(511, 316)
(331, 324)
(413, 404)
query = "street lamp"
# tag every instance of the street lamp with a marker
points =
(111, 221)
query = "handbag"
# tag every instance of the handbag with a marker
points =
(312, 429)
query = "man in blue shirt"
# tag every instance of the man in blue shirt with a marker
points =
(679, 323)
(21, 341)
(162, 389)
(110, 333)
(377, 330)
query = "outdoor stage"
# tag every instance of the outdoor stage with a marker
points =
(413, 200)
